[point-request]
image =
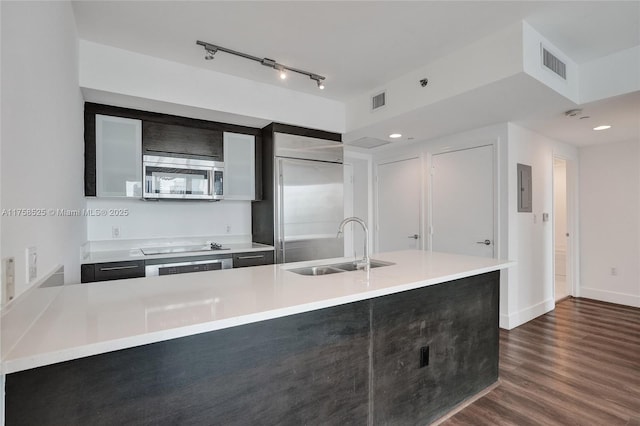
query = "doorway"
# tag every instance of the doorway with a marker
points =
(462, 202)
(560, 229)
(398, 201)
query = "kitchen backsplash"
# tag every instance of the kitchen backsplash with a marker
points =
(118, 218)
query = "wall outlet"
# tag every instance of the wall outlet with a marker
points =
(424, 356)
(228, 229)
(115, 232)
(8, 279)
(32, 264)
(614, 271)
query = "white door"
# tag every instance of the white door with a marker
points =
(348, 209)
(398, 204)
(462, 202)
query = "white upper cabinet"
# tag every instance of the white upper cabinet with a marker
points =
(239, 166)
(118, 157)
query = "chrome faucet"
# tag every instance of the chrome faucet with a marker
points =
(365, 260)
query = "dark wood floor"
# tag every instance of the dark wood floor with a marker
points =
(577, 365)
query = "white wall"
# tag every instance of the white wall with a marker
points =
(532, 64)
(610, 222)
(490, 59)
(109, 69)
(612, 75)
(495, 135)
(164, 219)
(530, 239)
(526, 290)
(42, 136)
(360, 165)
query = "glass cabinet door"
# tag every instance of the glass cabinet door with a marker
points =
(239, 166)
(118, 157)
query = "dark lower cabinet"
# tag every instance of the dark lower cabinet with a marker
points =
(433, 348)
(355, 364)
(256, 258)
(111, 271)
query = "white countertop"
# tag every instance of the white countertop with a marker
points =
(136, 253)
(87, 319)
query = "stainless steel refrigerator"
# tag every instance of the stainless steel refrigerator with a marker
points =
(307, 198)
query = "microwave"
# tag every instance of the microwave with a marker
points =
(182, 178)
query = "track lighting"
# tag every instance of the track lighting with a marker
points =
(209, 54)
(318, 79)
(211, 49)
(283, 72)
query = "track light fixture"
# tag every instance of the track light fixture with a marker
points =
(318, 79)
(209, 55)
(283, 72)
(211, 49)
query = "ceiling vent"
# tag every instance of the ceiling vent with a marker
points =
(368, 143)
(378, 101)
(552, 62)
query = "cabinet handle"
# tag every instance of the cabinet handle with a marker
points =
(258, 256)
(118, 268)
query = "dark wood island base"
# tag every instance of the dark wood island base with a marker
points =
(403, 359)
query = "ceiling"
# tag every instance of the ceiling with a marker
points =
(360, 45)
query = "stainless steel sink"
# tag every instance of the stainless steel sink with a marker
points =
(317, 270)
(353, 266)
(336, 268)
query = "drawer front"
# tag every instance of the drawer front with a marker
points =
(253, 258)
(118, 270)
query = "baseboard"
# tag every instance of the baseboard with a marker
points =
(504, 321)
(467, 402)
(525, 315)
(611, 296)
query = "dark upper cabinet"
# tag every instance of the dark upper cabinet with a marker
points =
(173, 139)
(164, 134)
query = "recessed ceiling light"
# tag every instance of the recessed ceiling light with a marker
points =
(603, 127)
(395, 135)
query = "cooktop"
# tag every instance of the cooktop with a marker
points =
(182, 249)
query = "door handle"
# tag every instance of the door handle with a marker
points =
(414, 236)
(118, 268)
(485, 242)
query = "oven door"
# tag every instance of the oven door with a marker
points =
(181, 178)
(185, 267)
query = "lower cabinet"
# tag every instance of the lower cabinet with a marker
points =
(111, 271)
(254, 258)
(135, 269)
(402, 359)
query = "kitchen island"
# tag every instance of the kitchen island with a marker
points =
(401, 344)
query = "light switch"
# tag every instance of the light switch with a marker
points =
(32, 264)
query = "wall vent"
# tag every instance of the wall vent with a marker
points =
(552, 62)
(378, 101)
(367, 142)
